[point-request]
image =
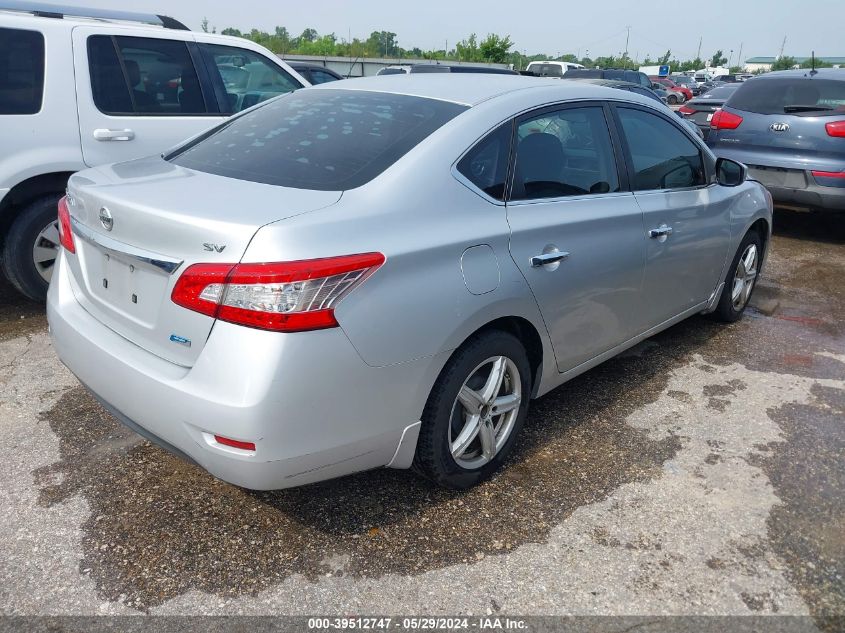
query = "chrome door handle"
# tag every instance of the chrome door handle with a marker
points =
(548, 258)
(660, 231)
(114, 135)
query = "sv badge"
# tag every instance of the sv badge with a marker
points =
(218, 248)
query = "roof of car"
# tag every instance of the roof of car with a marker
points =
(466, 89)
(821, 73)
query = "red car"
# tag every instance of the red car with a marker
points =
(671, 84)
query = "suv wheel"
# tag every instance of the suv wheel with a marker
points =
(475, 411)
(32, 246)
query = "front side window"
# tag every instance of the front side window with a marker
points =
(321, 76)
(662, 156)
(486, 164)
(567, 152)
(248, 77)
(140, 76)
(21, 71)
(320, 139)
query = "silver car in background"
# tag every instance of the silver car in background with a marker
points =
(384, 272)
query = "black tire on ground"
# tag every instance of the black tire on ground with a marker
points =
(726, 311)
(433, 458)
(672, 99)
(18, 262)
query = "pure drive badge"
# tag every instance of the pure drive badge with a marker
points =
(181, 340)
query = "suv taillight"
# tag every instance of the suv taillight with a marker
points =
(65, 233)
(686, 110)
(282, 297)
(725, 120)
(836, 128)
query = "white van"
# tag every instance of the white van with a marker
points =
(551, 69)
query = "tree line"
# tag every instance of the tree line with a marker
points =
(493, 48)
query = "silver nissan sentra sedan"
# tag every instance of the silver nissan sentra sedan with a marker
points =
(386, 272)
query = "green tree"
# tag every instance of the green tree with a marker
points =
(204, 24)
(230, 31)
(784, 63)
(309, 35)
(665, 58)
(467, 50)
(718, 59)
(495, 49)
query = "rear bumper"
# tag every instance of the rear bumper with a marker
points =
(312, 407)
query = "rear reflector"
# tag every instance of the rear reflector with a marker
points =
(725, 120)
(246, 446)
(836, 128)
(282, 297)
(65, 234)
(686, 110)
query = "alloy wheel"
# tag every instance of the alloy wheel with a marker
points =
(45, 250)
(484, 412)
(744, 277)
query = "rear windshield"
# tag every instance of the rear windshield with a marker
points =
(21, 71)
(326, 140)
(791, 95)
(722, 92)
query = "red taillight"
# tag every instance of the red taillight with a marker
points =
(836, 128)
(283, 297)
(65, 234)
(725, 120)
(686, 110)
(226, 441)
(829, 174)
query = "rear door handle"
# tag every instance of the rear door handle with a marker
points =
(548, 258)
(660, 231)
(102, 134)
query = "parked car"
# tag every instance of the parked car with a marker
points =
(789, 128)
(672, 87)
(330, 300)
(618, 74)
(406, 69)
(315, 73)
(104, 86)
(550, 68)
(689, 82)
(700, 110)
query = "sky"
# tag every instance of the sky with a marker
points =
(594, 27)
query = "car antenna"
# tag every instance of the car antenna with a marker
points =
(813, 72)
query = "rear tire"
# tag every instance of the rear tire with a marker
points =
(492, 374)
(741, 279)
(672, 100)
(26, 258)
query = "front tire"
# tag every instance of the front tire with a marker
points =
(475, 411)
(672, 100)
(32, 246)
(741, 279)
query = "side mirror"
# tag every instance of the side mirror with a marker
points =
(730, 173)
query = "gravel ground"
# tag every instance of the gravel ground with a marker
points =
(699, 473)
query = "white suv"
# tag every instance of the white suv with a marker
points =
(84, 87)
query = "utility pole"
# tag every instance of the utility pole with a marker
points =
(698, 55)
(739, 61)
(782, 46)
(627, 37)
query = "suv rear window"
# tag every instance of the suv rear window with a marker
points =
(21, 71)
(326, 140)
(797, 96)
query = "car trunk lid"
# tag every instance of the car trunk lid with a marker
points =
(137, 226)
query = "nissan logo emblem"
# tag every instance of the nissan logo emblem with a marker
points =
(106, 219)
(779, 127)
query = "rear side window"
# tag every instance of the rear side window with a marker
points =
(138, 76)
(662, 156)
(248, 78)
(486, 164)
(791, 95)
(321, 139)
(21, 71)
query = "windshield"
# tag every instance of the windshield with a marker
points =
(722, 92)
(326, 140)
(790, 95)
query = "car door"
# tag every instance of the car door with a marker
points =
(576, 231)
(687, 216)
(138, 96)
